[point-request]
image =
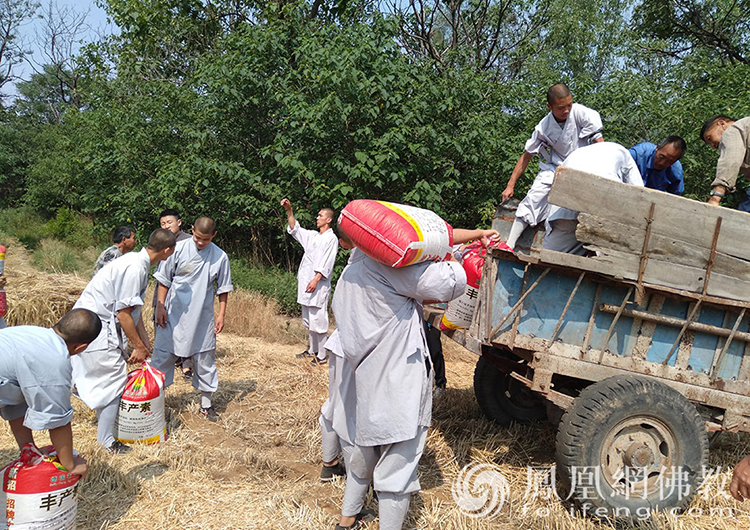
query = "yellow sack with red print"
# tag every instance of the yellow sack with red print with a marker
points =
(395, 234)
(141, 417)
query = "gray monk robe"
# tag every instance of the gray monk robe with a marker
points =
(378, 314)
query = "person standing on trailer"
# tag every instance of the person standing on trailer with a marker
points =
(314, 278)
(567, 127)
(116, 295)
(188, 282)
(608, 160)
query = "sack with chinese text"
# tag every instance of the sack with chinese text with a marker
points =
(460, 311)
(38, 492)
(141, 417)
(395, 234)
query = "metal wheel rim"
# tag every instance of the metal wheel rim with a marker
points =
(635, 452)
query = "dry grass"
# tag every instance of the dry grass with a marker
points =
(36, 297)
(258, 467)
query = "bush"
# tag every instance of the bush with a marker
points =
(274, 283)
(71, 227)
(53, 255)
(24, 224)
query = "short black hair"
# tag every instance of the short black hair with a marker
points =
(122, 232)
(710, 122)
(170, 211)
(205, 225)
(79, 326)
(558, 91)
(161, 239)
(677, 141)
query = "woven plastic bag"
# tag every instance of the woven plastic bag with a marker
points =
(38, 492)
(395, 234)
(141, 416)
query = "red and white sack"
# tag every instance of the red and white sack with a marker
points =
(141, 417)
(395, 234)
(38, 492)
(460, 311)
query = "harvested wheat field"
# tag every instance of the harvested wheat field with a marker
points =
(258, 467)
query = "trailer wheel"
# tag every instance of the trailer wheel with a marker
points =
(629, 445)
(487, 384)
(520, 402)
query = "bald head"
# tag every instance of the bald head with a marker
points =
(161, 239)
(205, 225)
(558, 92)
(79, 326)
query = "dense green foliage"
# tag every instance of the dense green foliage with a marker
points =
(224, 108)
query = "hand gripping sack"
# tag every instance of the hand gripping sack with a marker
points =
(38, 492)
(460, 311)
(141, 416)
(395, 234)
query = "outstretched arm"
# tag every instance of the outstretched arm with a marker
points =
(521, 166)
(461, 235)
(289, 213)
(740, 485)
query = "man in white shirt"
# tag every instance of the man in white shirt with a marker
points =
(567, 127)
(116, 294)
(314, 277)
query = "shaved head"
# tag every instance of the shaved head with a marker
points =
(557, 92)
(328, 212)
(205, 225)
(79, 326)
(161, 239)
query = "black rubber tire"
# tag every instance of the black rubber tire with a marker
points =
(519, 402)
(624, 420)
(487, 380)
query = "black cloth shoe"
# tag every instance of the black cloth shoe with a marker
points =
(210, 414)
(318, 362)
(187, 375)
(329, 473)
(363, 518)
(304, 355)
(119, 448)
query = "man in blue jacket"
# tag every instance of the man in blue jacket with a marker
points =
(660, 164)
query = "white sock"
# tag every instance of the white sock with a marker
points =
(206, 399)
(519, 225)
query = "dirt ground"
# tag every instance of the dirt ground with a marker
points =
(258, 467)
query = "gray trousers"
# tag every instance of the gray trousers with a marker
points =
(205, 374)
(392, 469)
(329, 440)
(105, 418)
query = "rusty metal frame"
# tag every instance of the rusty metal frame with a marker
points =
(518, 304)
(639, 290)
(611, 329)
(720, 357)
(567, 306)
(592, 319)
